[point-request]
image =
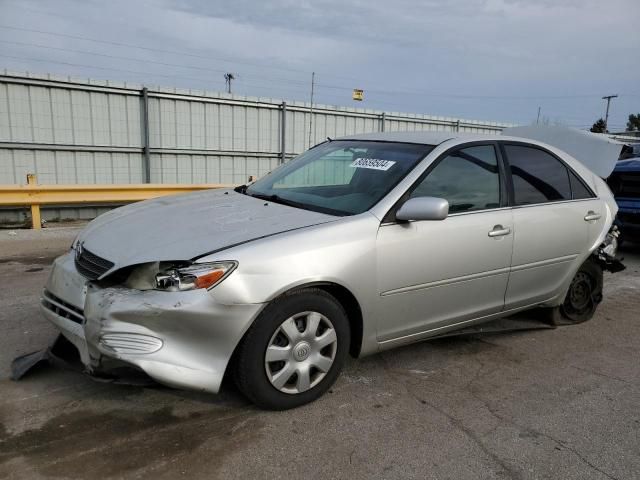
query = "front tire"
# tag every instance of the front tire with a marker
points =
(583, 296)
(294, 351)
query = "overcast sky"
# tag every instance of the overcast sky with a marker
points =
(478, 59)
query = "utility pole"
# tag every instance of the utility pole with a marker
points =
(313, 82)
(606, 116)
(538, 119)
(228, 77)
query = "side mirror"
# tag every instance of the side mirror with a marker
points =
(423, 208)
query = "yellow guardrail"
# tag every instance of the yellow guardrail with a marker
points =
(33, 195)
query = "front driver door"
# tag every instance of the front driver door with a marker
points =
(433, 274)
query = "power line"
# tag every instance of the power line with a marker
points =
(171, 52)
(150, 49)
(88, 52)
(138, 72)
(106, 55)
(286, 90)
(301, 88)
(144, 60)
(462, 96)
(115, 69)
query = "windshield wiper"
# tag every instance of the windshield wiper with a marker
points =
(290, 203)
(277, 199)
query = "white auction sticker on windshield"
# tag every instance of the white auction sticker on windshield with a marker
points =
(373, 163)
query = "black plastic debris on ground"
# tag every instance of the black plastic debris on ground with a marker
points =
(63, 354)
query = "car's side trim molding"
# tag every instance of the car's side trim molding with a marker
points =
(448, 281)
(556, 202)
(544, 263)
(475, 276)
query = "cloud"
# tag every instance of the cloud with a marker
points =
(474, 58)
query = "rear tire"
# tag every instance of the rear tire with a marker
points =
(583, 296)
(294, 351)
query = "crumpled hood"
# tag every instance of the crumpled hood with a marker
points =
(182, 227)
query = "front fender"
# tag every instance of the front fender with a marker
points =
(340, 253)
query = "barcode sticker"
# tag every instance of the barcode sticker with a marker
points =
(372, 163)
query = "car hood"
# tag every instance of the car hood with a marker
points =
(183, 227)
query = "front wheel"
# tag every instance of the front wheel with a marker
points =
(583, 296)
(294, 351)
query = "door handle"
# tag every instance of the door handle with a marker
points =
(499, 231)
(591, 216)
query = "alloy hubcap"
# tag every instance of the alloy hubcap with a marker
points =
(300, 352)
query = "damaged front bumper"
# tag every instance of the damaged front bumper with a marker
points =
(181, 339)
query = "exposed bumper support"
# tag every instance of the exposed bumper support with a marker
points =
(606, 253)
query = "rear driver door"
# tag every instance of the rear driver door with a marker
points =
(553, 211)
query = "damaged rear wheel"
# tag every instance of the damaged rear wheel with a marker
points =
(583, 296)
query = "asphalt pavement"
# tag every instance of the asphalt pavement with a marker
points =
(544, 404)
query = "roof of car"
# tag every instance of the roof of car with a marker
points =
(435, 138)
(427, 138)
(597, 152)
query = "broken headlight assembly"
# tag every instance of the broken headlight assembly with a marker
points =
(193, 276)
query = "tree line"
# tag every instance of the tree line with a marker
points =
(633, 124)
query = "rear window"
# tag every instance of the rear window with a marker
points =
(578, 189)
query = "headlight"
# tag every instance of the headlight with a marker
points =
(197, 275)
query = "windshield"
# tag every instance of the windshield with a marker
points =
(343, 177)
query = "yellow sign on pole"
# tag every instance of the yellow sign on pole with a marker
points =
(358, 94)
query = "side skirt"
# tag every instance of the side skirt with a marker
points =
(504, 321)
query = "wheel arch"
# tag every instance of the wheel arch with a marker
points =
(351, 306)
(343, 296)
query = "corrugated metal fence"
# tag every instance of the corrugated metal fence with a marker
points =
(70, 131)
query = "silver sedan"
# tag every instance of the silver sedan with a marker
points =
(358, 245)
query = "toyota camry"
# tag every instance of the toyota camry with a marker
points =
(358, 245)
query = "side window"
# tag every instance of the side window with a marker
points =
(578, 190)
(537, 176)
(468, 178)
